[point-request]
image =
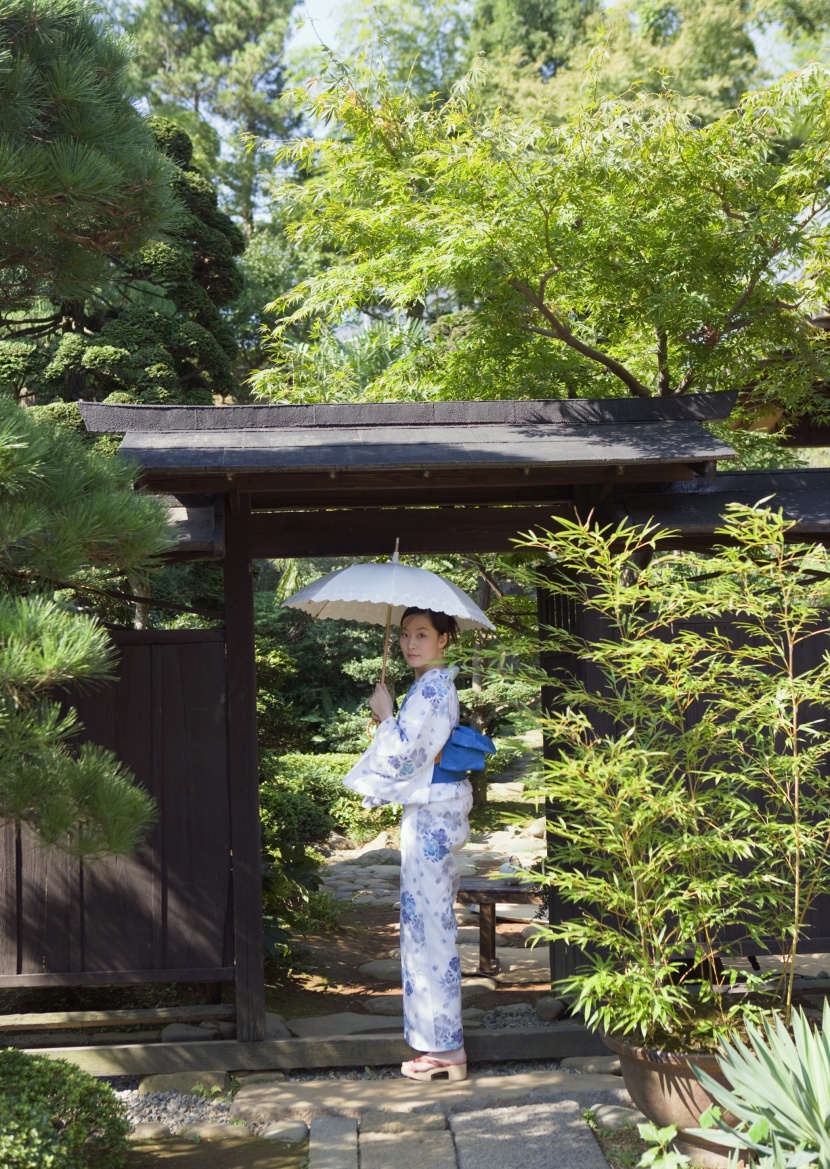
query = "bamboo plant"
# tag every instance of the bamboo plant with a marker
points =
(687, 772)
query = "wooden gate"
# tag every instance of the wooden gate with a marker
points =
(165, 913)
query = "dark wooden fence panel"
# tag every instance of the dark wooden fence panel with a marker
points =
(166, 908)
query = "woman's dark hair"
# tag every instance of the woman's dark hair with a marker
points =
(441, 622)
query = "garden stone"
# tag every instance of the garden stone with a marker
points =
(616, 1116)
(537, 828)
(472, 988)
(149, 1131)
(548, 1008)
(340, 843)
(211, 1130)
(592, 1065)
(534, 930)
(384, 969)
(378, 856)
(288, 1131)
(189, 1083)
(472, 1014)
(514, 1009)
(187, 1033)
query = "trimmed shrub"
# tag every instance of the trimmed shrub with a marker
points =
(320, 778)
(55, 1116)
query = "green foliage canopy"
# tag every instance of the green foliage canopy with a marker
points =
(627, 251)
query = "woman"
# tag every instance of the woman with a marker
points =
(399, 767)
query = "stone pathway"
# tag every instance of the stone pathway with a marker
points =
(508, 1122)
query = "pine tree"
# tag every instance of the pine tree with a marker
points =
(80, 177)
(155, 332)
(63, 508)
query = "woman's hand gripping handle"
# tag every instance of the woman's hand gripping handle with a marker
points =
(381, 703)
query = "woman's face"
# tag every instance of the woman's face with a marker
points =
(421, 643)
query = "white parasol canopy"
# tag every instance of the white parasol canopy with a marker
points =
(380, 593)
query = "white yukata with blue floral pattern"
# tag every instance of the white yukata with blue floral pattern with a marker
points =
(397, 768)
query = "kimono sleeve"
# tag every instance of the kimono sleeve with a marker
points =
(405, 746)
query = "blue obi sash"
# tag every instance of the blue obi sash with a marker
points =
(465, 750)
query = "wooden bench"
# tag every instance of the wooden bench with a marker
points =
(487, 893)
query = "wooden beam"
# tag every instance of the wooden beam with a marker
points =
(565, 1039)
(140, 1017)
(243, 771)
(373, 531)
(118, 977)
(491, 484)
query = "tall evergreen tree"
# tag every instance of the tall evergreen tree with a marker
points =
(216, 67)
(80, 177)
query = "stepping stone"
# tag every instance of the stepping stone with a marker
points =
(550, 1136)
(385, 1004)
(425, 1147)
(343, 1023)
(302, 1100)
(377, 856)
(275, 1027)
(333, 1143)
(375, 1120)
(384, 969)
(287, 1131)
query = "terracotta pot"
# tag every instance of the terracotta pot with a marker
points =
(664, 1087)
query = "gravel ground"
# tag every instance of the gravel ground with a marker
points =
(171, 1108)
(175, 1109)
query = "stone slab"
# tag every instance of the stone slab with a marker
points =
(426, 1147)
(550, 1136)
(375, 1120)
(333, 1143)
(149, 1130)
(212, 1130)
(303, 1100)
(343, 1023)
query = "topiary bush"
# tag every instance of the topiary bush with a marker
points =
(55, 1116)
(320, 778)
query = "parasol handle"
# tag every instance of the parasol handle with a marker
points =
(386, 645)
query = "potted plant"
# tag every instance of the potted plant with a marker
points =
(687, 785)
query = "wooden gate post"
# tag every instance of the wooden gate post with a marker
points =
(243, 771)
(555, 611)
